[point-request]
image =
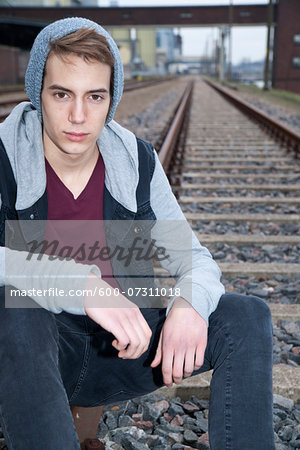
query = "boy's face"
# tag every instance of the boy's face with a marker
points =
(75, 102)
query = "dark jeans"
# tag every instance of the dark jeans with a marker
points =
(49, 361)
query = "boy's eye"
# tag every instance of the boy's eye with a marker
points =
(60, 95)
(95, 97)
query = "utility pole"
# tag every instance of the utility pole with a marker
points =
(230, 21)
(222, 59)
(206, 56)
(267, 61)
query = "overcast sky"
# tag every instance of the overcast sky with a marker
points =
(248, 42)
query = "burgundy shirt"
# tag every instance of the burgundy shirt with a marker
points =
(82, 238)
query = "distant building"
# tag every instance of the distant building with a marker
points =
(168, 48)
(122, 36)
(147, 50)
(248, 71)
(165, 41)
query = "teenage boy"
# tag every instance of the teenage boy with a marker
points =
(64, 158)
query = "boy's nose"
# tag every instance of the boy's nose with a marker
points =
(77, 112)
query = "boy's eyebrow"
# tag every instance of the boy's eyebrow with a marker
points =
(57, 87)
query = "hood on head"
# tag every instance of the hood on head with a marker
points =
(40, 51)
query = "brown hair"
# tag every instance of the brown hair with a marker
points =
(89, 45)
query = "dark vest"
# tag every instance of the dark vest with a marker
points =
(123, 227)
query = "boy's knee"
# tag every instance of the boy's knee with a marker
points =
(259, 308)
(246, 311)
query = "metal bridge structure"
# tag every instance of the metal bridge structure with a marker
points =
(20, 25)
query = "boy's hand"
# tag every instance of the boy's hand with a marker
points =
(119, 316)
(182, 343)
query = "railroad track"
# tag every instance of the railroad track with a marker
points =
(212, 118)
(239, 188)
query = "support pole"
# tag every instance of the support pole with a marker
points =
(230, 21)
(222, 59)
(267, 61)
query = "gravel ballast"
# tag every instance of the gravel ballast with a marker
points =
(155, 422)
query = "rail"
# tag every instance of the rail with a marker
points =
(167, 150)
(288, 137)
(142, 84)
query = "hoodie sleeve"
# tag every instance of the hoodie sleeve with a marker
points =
(56, 285)
(197, 274)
